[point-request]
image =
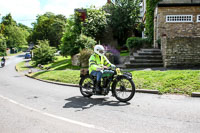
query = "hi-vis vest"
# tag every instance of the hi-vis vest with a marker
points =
(97, 61)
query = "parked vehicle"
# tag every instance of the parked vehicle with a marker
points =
(27, 55)
(120, 84)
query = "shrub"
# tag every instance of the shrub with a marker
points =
(112, 54)
(84, 57)
(85, 42)
(135, 43)
(43, 53)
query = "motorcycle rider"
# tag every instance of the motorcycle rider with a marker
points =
(3, 59)
(97, 63)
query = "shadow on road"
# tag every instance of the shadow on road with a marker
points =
(83, 103)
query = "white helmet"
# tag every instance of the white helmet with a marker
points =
(99, 49)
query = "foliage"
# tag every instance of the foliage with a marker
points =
(25, 27)
(73, 41)
(149, 25)
(2, 45)
(95, 24)
(68, 45)
(140, 27)
(124, 15)
(84, 57)
(112, 54)
(16, 36)
(136, 43)
(8, 20)
(43, 53)
(85, 42)
(49, 26)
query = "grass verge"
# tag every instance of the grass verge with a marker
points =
(62, 63)
(172, 81)
(21, 66)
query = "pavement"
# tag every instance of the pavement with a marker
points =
(28, 105)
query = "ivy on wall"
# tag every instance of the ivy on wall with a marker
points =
(150, 7)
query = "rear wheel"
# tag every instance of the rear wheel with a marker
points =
(86, 86)
(124, 89)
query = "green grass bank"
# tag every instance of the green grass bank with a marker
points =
(169, 81)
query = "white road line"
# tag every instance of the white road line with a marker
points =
(54, 116)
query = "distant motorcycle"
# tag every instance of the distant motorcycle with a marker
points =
(120, 84)
(2, 63)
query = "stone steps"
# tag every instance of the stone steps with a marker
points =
(143, 65)
(148, 53)
(146, 61)
(145, 58)
(149, 56)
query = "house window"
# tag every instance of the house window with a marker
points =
(198, 18)
(179, 18)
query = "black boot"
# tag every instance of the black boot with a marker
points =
(98, 87)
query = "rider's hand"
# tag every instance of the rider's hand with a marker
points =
(105, 67)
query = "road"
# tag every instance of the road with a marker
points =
(28, 105)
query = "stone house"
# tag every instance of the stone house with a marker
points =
(177, 28)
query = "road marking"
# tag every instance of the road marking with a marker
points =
(56, 117)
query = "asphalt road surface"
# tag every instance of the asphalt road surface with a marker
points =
(31, 106)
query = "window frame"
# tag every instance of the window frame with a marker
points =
(179, 18)
(198, 18)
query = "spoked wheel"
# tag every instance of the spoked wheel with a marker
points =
(124, 89)
(86, 86)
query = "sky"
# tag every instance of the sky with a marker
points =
(25, 11)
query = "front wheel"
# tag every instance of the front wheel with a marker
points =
(86, 86)
(124, 89)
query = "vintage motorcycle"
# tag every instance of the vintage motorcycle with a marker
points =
(120, 84)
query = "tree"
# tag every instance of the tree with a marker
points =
(8, 20)
(123, 18)
(73, 41)
(24, 27)
(2, 45)
(49, 26)
(43, 53)
(95, 24)
(68, 45)
(16, 36)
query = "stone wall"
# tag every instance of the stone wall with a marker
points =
(180, 41)
(181, 29)
(181, 52)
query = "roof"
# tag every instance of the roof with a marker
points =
(165, 3)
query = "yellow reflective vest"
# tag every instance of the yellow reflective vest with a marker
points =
(97, 62)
